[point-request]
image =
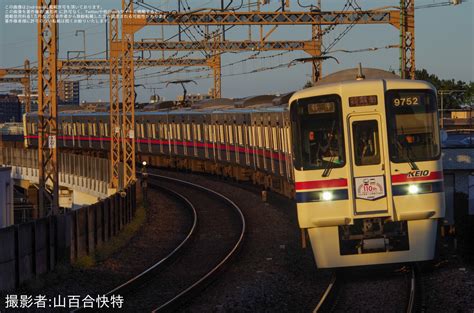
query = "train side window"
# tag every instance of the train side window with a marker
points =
(94, 128)
(260, 136)
(149, 133)
(83, 129)
(252, 136)
(275, 139)
(138, 130)
(231, 134)
(188, 130)
(366, 142)
(178, 131)
(213, 132)
(198, 128)
(239, 134)
(267, 137)
(221, 133)
(282, 139)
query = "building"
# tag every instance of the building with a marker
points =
(6, 197)
(68, 92)
(10, 108)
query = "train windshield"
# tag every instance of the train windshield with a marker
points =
(317, 133)
(412, 125)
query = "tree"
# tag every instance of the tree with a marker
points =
(452, 100)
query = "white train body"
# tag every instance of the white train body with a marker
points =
(368, 175)
(363, 163)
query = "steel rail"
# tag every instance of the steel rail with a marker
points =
(414, 292)
(210, 274)
(328, 295)
(140, 278)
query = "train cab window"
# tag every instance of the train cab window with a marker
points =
(412, 125)
(366, 142)
(318, 139)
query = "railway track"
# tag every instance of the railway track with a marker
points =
(215, 237)
(333, 294)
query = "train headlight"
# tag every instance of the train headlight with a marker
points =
(413, 189)
(327, 196)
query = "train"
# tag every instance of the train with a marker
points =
(359, 153)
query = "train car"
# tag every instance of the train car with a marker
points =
(368, 174)
(361, 156)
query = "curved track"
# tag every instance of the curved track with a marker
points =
(210, 217)
(215, 237)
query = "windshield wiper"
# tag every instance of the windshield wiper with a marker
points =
(412, 163)
(330, 164)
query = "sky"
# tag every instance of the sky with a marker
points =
(444, 41)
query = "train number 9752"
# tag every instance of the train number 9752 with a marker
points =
(404, 101)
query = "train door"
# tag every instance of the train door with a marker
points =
(368, 164)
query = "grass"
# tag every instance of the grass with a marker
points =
(115, 243)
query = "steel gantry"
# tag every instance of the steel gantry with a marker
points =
(128, 98)
(403, 19)
(25, 80)
(114, 71)
(47, 108)
(407, 38)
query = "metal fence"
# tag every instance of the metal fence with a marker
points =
(75, 171)
(78, 165)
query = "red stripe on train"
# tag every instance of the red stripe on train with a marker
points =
(403, 178)
(268, 154)
(321, 184)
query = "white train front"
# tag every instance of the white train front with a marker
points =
(368, 176)
(361, 158)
